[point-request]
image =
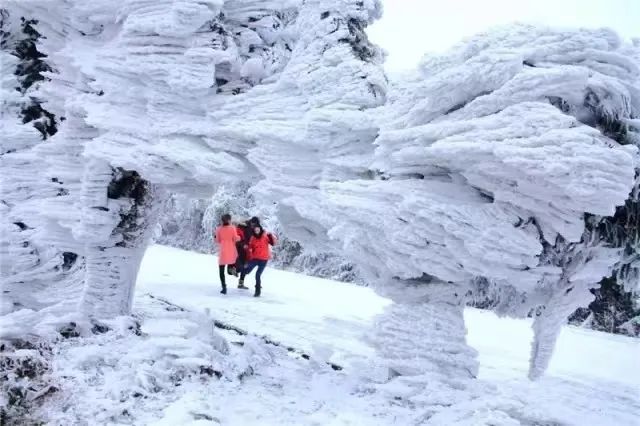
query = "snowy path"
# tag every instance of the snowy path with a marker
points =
(594, 378)
(297, 310)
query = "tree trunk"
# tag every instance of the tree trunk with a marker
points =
(549, 321)
(423, 344)
(121, 213)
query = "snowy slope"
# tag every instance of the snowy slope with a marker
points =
(180, 368)
(593, 377)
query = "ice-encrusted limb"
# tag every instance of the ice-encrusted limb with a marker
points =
(583, 265)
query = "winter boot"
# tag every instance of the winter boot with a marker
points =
(258, 291)
(224, 289)
(242, 286)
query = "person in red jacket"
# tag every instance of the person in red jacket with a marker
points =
(226, 237)
(259, 255)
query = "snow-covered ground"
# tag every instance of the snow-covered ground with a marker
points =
(594, 378)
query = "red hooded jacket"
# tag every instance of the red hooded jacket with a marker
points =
(259, 246)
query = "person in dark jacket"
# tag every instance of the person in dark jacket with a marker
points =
(259, 255)
(242, 246)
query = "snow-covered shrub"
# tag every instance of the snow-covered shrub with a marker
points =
(190, 223)
(613, 310)
(24, 379)
(181, 224)
(130, 374)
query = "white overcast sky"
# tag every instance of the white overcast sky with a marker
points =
(409, 28)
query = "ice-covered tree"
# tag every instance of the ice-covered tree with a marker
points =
(507, 157)
(32, 270)
(180, 97)
(502, 161)
(113, 207)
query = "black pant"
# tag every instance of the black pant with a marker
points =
(242, 256)
(261, 264)
(222, 277)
